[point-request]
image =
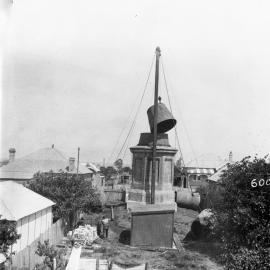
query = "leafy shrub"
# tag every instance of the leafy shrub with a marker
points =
(245, 258)
(243, 215)
(50, 254)
(8, 236)
(210, 195)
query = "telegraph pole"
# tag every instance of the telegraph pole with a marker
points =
(78, 160)
(153, 180)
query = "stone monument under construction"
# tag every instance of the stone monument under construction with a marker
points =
(151, 197)
(142, 162)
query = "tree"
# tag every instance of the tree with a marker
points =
(108, 172)
(127, 169)
(8, 236)
(71, 193)
(243, 214)
(54, 258)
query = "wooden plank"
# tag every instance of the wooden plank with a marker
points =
(87, 264)
(74, 259)
(146, 266)
(118, 267)
(103, 265)
(177, 242)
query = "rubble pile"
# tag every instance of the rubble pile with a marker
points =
(202, 226)
(85, 235)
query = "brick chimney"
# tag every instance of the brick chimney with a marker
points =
(230, 157)
(71, 164)
(12, 152)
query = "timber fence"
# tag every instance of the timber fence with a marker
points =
(114, 195)
(26, 259)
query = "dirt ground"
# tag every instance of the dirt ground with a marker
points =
(192, 255)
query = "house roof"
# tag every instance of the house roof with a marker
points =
(94, 167)
(84, 170)
(216, 176)
(42, 160)
(17, 201)
(90, 166)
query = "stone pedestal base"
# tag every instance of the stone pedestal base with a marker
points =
(138, 197)
(142, 164)
(161, 196)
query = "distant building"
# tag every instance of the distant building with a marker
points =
(203, 167)
(92, 167)
(31, 211)
(43, 160)
(97, 178)
(214, 184)
(126, 178)
(196, 172)
(216, 177)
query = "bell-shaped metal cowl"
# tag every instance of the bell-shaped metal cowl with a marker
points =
(165, 120)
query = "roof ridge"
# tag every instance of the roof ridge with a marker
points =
(28, 201)
(29, 156)
(33, 152)
(3, 203)
(59, 152)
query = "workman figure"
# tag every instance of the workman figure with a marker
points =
(105, 225)
(99, 228)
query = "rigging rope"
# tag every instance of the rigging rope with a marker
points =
(124, 146)
(138, 109)
(127, 145)
(177, 137)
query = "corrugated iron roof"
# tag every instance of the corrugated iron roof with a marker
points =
(43, 160)
(17, 201)
(217, 176)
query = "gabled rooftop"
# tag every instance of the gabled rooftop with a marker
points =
(42, 160)
(17, 201)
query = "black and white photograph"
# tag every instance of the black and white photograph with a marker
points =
(134, 135)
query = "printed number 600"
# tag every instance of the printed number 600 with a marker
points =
(260, 183)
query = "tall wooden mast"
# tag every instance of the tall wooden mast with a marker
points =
(153, 180)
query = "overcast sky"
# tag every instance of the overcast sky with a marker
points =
(74, 70)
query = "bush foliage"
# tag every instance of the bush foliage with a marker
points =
(243, 216)
(8, 236)
(54, 258)
(72, 194)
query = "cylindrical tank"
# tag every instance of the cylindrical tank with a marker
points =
(165, 120)
(187, 199)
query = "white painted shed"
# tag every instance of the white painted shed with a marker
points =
(31, 211)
